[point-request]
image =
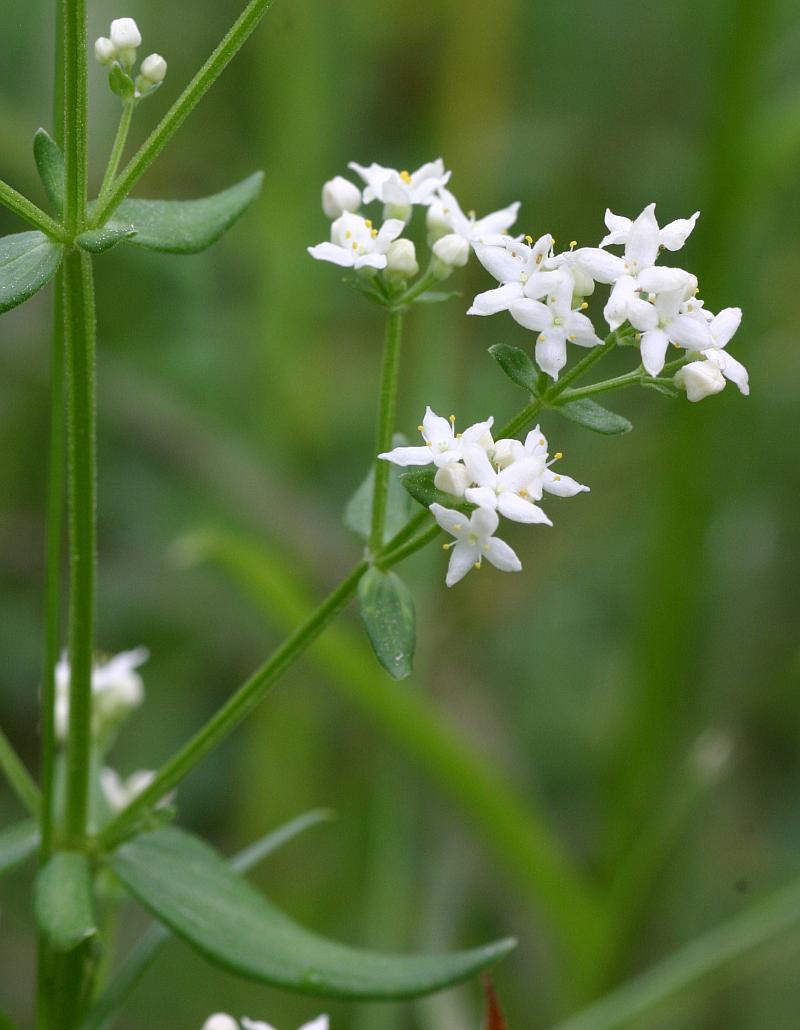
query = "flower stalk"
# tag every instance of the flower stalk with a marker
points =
(387, 410)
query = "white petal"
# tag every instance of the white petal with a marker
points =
(551, 351)
(501, 556)
(562, 486)
(370, 261)
(406, 456)
(478, 465)
(580, 330)
(320, 1023)
(497, 222)
(506, 265)
(451, 521)
(436, 428)
(700, 379)
(618, 228)
(642, 315)
(532, 314)
(689, 333)
(479, 434)
(616, 310)
(602, 267)
(731, 369)
(541, 283)
(330, 252)
(654, 348)
(658, 279)
(674, 234)
(641, 248)
(493, 301)
(462, 558)
(484, 522)
(389, 232)
(483, 496)
(517, 509)
(724, 326)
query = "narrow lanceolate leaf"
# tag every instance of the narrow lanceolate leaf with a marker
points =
(98, 241)
(121, 83)
(358, 512)
(437, 296)
(28, 260)
(516, 364)
(50, 165)
(63, 901)
(387, 611)
(186, 885)
(421, 487)
(593, 416)
(17, 843)
(186, 226)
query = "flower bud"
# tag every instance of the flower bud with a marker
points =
(125, 34)
(437, 221)
(219, 1021)
(339, 195)
(700, 379)
(401, 211)
(153, 69)
(453, 479)
(104, 50)
(505, 452)
(452, 250)
(401, 260)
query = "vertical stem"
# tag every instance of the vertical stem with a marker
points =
(387, 407)
(79, 335)
(118, 149)
(73, 27)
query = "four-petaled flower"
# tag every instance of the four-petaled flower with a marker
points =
(356, 243)
(400, 191)
(445, 216)
(474, 541)
(443, 445)
(507, 490)
(671, 237)
(702, 378)
(663, 322)
(519, 268)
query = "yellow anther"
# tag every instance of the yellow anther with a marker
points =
(368, 222)
(452, 418)
(459, 435)
(539, 258)
(529, 240)
(557, 479)
(513, 253)
(446, 547)
(540, 338)
(571, 339)
(406, 177)
(637, 337)
(457, 527)
(477, 564)
(421, 429)
(523, 493)
(374, 233)
(583, 306)
(523, 278)
(558, 456)
(472, 214)
(355, 245)
(573, 244)
(348, 235)
(541, 441)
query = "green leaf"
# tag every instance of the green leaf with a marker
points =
(50, 164)
(387, 610)
(186, 226)
(98, 241)
(595, 417)
(28, 261)
(421, 487)
(516, 364)
(186, 885)
(358, 511)
(437, 296)
(662, 388)
(17, 843)
(63, 900)
(120, 82)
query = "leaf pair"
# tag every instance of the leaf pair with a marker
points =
(519, 368)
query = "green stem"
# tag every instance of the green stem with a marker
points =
(117, 150)
(387, 411)
(249, 695)
(29, 211)
(421, 286)
(18, 776)
(75, 129)
(182, 108)
(237, 708)
(79, 335)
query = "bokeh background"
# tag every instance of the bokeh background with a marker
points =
(599, 755)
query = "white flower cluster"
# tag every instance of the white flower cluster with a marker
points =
(499, 477)
(357, 243)
(221, 1021)
(117, 689)
(546, 292)
(120, 47)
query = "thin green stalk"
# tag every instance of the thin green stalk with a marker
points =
(694, 962)
(18, 776)
(117, 150)
(54, 524)
(75, 126)
(79, 335)
(387, 413)
(237, 708)
(182, 108)
(30, 212)
(422, 285)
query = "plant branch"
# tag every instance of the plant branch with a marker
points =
(75, 127)
(117, 150)
(182, 108)
(387, 413)
(18, 776)
(30, 212)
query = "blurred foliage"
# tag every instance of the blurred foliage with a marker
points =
(656, 622)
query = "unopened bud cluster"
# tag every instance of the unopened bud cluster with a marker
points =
(118, 52)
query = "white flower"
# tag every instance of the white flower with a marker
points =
(505, 491)
(556, 323)
(401, 260)
(153, 69)
(519, 268)
(445, 216)
(125, 34)
(104, 50)
(117, 689)
(663, 322)
(356, 244)
(340, 195)
(220, 1021)
(118, 792)
(672, 236)
(400, 191)
(320, 1023)
(535, 447)
(443, 445)
(452, 251)
(475, 540)
(453, 479)
(700, 379)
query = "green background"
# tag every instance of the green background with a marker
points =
(237, 391)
